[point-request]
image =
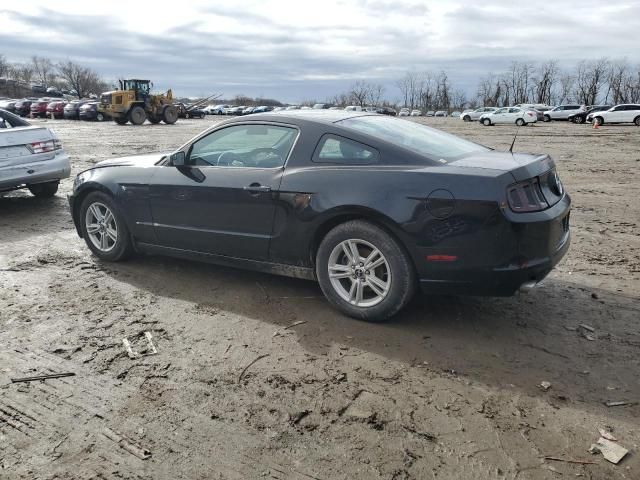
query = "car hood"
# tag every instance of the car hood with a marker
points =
(143, 161)
(521, 165)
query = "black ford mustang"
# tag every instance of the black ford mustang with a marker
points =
(371, 207)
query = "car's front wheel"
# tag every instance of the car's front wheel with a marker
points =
(44, 190)
(578, 119)
(364, 272)
(466, 118)
(637, 121)
(486, 122)
(103, 228)
(546, 118)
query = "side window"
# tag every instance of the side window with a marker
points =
(514, 110)
(252, 146)
(340, 150)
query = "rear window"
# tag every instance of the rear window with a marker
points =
(339, 150)
(431, 143)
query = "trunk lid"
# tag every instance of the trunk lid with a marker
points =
(14, 141)
(522, 166)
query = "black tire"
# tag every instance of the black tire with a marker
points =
(100, 117)
(637, 120)
(155, 120)
(123, 245)
(402, 276)
(520, 122)
(466, 118)
(486, 122)
(170, 115)
(546, 118)
(578, 119)
(121, 120)
(44, 190)
(599, 120)
(137, 115)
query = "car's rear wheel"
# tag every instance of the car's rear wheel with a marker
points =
(637, 121)
(520, 122)
(546, 118)
(486, 122)
(466, 118)
(578, 119)
(364, 272)
(103, 228)
(100, 117)
(44, 190)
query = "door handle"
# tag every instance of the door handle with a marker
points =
(257, 188)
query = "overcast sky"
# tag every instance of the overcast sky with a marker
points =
(297, 50)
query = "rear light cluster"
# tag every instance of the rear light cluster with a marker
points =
(44, 147)
(526, 196)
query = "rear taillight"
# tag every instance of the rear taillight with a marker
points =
(44, 147)
(526, 196)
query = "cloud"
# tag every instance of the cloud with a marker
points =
(300, 50)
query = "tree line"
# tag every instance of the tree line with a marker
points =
(67, 75)
(589, 82)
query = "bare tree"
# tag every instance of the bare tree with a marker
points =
(544, 82)
(359, 92)
(4, 66)
(590, 77)
(565, 88)
(376, 92)
(459, 99)
(81, 79)
(43, 69)
(443, 92)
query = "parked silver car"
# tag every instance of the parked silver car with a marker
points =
(562, 112)
(30, 157)
(475, 115)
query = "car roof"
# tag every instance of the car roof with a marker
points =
(318, 116)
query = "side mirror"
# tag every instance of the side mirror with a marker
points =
(178, 159)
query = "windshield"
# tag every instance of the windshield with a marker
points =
(414, 136)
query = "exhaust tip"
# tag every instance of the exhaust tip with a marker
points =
(528, 286)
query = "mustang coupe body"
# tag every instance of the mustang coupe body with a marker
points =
(370, 206)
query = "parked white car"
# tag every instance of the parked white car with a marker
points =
(404, 112)
(625, 113)
(473, 115)
(416, 113)
(354, 108)
(30, 157)
(562, 112)
(509, 115)
(215, 109)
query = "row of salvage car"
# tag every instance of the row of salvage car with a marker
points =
(528, 114)
(53, 108)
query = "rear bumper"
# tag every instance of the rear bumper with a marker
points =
(529, 246)
(57, 168)
(499, 281)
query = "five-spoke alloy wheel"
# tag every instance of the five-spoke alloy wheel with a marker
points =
(103, 228)
(368, 279)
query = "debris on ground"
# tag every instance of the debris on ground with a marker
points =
(294, 324)
(607, 435)
(570, 460)
(126, 444)
(611, 451)
(247, 367)
(148, 349)
(544, 385)
(48, 376)
(619, 404)
(587, 327)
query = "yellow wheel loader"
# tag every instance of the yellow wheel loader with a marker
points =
(133, 102)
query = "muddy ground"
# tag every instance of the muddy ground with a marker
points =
(447, 390)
